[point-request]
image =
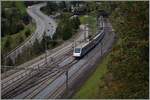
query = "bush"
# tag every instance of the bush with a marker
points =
(67, 26)
(28, 32)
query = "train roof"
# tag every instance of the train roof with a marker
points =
(83, 44)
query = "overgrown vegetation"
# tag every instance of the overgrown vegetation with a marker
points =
(9, 42)
(91, 21)
(67, 26)
(93, 83)
(16, 25)
(128, 69)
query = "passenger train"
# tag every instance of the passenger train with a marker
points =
(84, 48)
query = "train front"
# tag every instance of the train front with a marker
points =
(77, 52)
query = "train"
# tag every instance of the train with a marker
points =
(83, 48)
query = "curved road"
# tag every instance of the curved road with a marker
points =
(43, 23)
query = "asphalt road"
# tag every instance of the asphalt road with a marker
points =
(43, 24)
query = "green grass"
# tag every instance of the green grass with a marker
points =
(21, 6)
(90, 88)
(16, 37)
(91, 21)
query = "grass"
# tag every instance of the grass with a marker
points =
(91, 21)
(21, 6)
(91, 86)
(16, 37)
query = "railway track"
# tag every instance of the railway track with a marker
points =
(16, 75)
(23, 82)
(62, 87)
(42, 80)
(59, 53)
(44, 86)
(22, 77)
(18, 78)
(84, 68)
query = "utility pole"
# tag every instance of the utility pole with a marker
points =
(85, 33)
(67, 81)
(65, 70)
(101, 47)
(4, 67)
(29, 49)
(45, 50)
(74, 44)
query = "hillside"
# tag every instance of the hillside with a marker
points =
(127, 65)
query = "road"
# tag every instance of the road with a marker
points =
(43, 23)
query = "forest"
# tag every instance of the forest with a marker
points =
(127, 65)
(129, 62)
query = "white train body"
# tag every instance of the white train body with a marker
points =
(85, 47)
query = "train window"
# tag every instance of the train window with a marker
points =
(77, 50)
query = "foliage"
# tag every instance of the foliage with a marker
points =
(15, 22)
(75, 22)
(94, 81)
(67, 26)
(131, 66)
(8, 43)
(27, 32)
(91, 21)
(50, 7)
(128, 64)
(12, 15)
(15, 39)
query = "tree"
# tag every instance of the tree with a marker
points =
(28, 32)
(36, 47)
(67, 30)
(7, 45)
(9, 62)
(12, 17)
(75, 22)
(129, 65)
(21, 39)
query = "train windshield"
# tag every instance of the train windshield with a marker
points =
(77, 50)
